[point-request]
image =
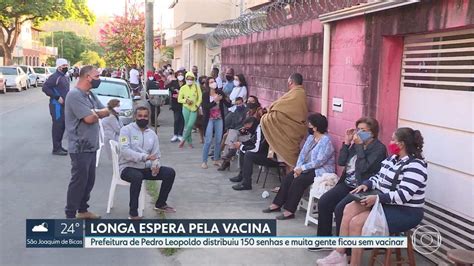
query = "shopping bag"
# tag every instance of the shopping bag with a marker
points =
(376, 223)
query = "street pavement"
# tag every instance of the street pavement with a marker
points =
(33, 185)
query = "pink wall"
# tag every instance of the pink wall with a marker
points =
(268, 58)
(365, 60)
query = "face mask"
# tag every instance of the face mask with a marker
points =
(229, 77)
(189, 82)
(142, 123)
(213, 85)
(239, 108)
(310, 130)
(364, 135)
(117, 109)
(64, 70)
(236, 83)
(180, 78)
(150, 78)
(252, 105)
(393, 148)
(95, 83)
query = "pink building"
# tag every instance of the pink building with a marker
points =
(405, 63)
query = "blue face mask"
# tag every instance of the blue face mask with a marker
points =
(364, 135)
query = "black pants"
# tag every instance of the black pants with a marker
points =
(135, 177)
(57, 131)
(247, 160)
(292, 189)
(333, 201)
(81, 184)
(178, 122)
(155, 112)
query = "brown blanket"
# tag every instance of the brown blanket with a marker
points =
(284, 126)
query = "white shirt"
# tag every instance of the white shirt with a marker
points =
(134, 76)
(219, 82)
(238, 92)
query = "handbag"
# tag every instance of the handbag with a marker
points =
(362, 195)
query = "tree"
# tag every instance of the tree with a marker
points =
(123, 38)
(71, 46)
(92, 58)
(51, 61)
(14, 13)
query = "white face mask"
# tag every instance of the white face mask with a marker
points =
(189, 82)
(213, 85)
(180, 78)
(236, 83)
(150, 78)
(117, 109)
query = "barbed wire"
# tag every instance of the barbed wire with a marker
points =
(277, 14)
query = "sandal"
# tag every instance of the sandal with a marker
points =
(165, 209)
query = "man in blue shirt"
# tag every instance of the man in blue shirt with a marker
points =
(57, 87)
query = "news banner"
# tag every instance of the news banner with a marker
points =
(192, 233)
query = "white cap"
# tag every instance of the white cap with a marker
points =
(60, 62)
(181, 69)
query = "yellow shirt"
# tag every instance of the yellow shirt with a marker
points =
(192, 93)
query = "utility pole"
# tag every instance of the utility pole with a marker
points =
(148, 36)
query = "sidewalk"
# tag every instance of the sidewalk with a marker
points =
(207, 194)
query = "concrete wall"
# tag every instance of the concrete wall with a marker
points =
(365, 59)
(268, 58)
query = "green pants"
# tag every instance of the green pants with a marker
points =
(189, 120)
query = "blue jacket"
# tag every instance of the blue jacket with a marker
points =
(57, 85)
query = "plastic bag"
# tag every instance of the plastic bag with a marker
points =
(376, 223)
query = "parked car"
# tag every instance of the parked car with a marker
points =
(3, 87)
(32, 76)
(51, 70)
(113, 88)
(15, 76)
(42, 73)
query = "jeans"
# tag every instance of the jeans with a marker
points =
(135, 177)
(189, 120)
(215, 126)
(81, 183)
(292, 189)
(178, 122)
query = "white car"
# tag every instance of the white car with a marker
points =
(3, 87)
(15, 76)
(32, 76)
(42, 73)
(112, 88)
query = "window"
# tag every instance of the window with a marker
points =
(439, 61)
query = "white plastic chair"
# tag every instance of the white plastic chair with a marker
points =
(312, 208)
(101, 142)
(315, 193)
(116, 180)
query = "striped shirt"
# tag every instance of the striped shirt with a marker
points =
(411, 184)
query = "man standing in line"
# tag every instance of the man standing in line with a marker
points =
(134, 79)
(57, 87)
(83, 111)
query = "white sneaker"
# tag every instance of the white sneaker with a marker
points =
(180, 138)
(174, 138)
(334, 258)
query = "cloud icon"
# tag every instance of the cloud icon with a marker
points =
(40, 228)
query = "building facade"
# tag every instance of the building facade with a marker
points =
(192, 21)
(29, 50)
(406, 64)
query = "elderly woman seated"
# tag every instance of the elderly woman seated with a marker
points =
(400, 188)
(316, 158)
